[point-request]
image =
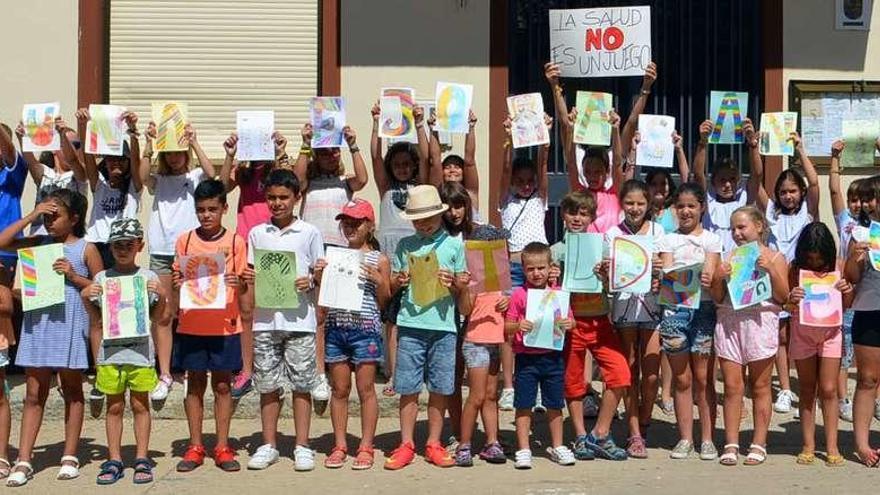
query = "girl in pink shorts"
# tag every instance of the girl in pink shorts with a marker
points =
(748, 338)
(816, 350)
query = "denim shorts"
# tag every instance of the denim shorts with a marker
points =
(479, 355)
(531, 370)
(353, 346)
(848, 352)
(688, 330)
(425, 357)
(517, 275)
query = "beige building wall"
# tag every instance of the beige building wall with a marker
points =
(414, 44)
(810, 41)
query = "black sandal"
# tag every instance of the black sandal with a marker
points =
(143, 471)
(113, 468)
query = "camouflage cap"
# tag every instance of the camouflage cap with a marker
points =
(125, 229)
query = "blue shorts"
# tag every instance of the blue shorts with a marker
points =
(480, 355)
(530, 370)
(355, 346)
(424, 356)
(688, 330)
(206, 353)
(517, 275)
(848, 351)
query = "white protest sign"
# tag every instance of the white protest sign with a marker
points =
(602, 42)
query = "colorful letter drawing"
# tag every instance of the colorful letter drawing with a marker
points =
(680, 286)
(275, 279)
(327, 115)
(41, 286)
(527, 126)
(125, 307)
(203, 283)
(171, 118)
(489, 265)
(453, 106)
(544, 308)
(424, 284)
(255, 129)
(727, 110)
(631, 257)
(601, 42)
(582, 253)
(860, 137)
(342, 285)
(485, 324)
(873, 244)
(592, 125)
(776, 129)
(105, 131)
(748, 285)
(822, 305)
(396, 113)
(655, 148)
(39, 127)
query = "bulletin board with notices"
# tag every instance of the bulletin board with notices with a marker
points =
(828, 111)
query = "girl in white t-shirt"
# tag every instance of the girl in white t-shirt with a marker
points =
(116, 189)
(636, 317)
(686, 335)
(326, 188)
(794, 204)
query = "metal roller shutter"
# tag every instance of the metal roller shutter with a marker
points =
(218, 56)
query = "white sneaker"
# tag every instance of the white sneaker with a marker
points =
(846, 413)
(264, 457)
(783, 402)
(560, 455)
(505, 402)
(304, 458)
(321, 390)
(162, 389)
(539, 406)
(523, 459)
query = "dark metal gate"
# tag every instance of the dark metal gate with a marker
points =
(698, 46)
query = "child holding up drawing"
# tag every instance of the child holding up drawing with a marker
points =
(636, 317)
(794, 204)
(686, 334)
(454, 168)
(746, 339)
(354, 338)
(55, 338)
(537, 369)
(817, 350)
(127, 364)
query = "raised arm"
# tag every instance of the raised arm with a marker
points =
(543, 158)
(506, 167)
(359, 179)
(35, 168)
(617, 173)
(857, 256)
(423, 151)
(68, 153)
(435, 162)
(134, 149)
(8, 237)
(7, 148)
(632, 120)
(683, 170)
(204, 161)
(701, 155)
(147, 159)
(470, 176)
(629, 165)
(301, 165)
(230, 146)
(838, 201)
(566, 120)
(757, 192)
(811, 175)
(382, 181)
(90, 165)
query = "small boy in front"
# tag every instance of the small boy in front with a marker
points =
(129, 363)
(533, 366)
(426, 343)
(210, 339)
(593, 335)
(284, 339)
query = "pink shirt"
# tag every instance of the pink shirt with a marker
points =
(607, 209)
(516, 311)
(252, 207)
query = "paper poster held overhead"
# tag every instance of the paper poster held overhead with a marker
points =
(655, 148)
(527, 126)
(860, 137)
(38, 120)
(327, 115)
(776, 129)
(727, 110)
(171, 118)
(396, 114)
(105, 131)
(453, 106)
(592, 126)
(255, 129)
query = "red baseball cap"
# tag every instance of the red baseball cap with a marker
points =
(358, 209)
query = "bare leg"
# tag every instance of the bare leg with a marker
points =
(704, 377)
(270, 410)
(523, 428)
(782, 357)
(74, 409)
(38, 382)
(477, 385)
(437, 404)
(365, 378)
(683, 396)
(868, 359)
(808, 375)
(650, 367)
(734, 389)
(554, 419)
(140, 407)
(5, 417)
(194, 404)
(760, 376)
(113, 425)
(340, 381)
(409, 412)
(829, 369)
(302, 417)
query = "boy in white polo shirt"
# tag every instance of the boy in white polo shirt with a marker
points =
(284, 339)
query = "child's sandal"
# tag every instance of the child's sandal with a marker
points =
(757, 455)
(730, 457)
(336, 459)
(21, 473)
(5, 468)
(143, 471)
(364, 459)
(835, 460)
(111, 472)
(70, 470)
(806, 458)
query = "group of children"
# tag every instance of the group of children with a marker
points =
(428, 208)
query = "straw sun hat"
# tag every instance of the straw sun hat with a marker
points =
(423, 202)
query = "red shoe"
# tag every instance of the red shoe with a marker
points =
(193, 458)
(437, 455)
(224, 458)
(401, 457)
